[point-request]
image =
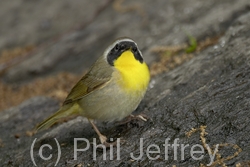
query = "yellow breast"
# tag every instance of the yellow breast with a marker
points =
(134, 74)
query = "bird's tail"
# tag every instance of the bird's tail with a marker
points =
(65, 112)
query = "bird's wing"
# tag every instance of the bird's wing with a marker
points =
(92, 81)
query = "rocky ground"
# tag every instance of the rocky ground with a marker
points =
(194, 98)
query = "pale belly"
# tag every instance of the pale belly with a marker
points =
(110, 103)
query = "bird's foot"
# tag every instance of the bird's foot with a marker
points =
(140, 117)
(131, 117)
(103, 140)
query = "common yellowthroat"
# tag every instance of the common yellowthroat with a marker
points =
(111, 90)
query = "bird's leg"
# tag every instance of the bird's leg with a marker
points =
(102, 138)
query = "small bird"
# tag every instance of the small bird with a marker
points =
(110, 91)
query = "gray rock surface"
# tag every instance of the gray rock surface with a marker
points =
(149, 24)
(212, 89)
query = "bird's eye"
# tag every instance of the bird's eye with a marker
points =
(134, 49)
(117, 47)
(122, 46)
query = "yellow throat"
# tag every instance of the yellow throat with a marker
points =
(135, 75)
